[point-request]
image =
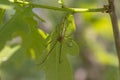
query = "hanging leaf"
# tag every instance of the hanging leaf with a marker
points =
(70, 25)
(54, 69)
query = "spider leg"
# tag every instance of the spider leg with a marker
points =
(46, 57)
(60, 52)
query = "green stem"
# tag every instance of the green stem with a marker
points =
(72, 10)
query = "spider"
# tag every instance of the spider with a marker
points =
(61, 34)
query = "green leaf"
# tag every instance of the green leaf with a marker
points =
(54, 69)
(21, 64)
(7, 30)
(70, 25)
(60, 70)
(70, 47)
(21, 23)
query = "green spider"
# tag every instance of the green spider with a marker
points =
(60, 35)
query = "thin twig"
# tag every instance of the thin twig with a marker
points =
(72, 10)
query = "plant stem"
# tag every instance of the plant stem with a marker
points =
(72, 10)
(115, 27)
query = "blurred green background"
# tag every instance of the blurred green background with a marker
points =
(97, 59)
